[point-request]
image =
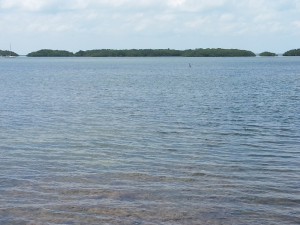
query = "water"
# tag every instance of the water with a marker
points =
(149, 141)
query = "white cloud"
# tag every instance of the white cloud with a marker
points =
(296, 24)
(25, 5)
(195, 5)
(158, 19)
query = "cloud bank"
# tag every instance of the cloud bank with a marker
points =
(75, 24)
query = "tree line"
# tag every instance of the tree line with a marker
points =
(50, 53)
(199, 52)
(267, 54)
(6, 53)
(209, 52)
(293, 52)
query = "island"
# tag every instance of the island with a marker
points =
(129, 53)
(293, 52)
(50, 53)
(199, 52)
(217, 52)
(7, 53)
(267, 54)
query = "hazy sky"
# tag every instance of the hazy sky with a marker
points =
(73, 25)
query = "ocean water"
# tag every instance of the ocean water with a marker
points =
(149, 141)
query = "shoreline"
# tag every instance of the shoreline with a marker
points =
(198, 52)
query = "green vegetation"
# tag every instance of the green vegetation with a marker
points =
(293, 52)
(217, 52)
(50, 53)
(209, 52)
(6, 53)
(199, 52)
(267, 54)
(129, 53)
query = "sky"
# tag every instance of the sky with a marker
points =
(73, 25)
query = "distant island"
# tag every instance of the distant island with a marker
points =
(6, 53)
(293, 52)
(200, 52)
(50, 53)
(267, 54)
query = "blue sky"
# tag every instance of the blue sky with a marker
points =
(74, 25)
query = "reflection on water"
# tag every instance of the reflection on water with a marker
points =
(150, 141)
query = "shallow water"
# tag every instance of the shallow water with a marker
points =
(150, 141)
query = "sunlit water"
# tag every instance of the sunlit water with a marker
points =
(149, 141)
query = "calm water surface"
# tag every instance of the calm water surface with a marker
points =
(149, 141)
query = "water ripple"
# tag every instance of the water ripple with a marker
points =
(148, 141)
